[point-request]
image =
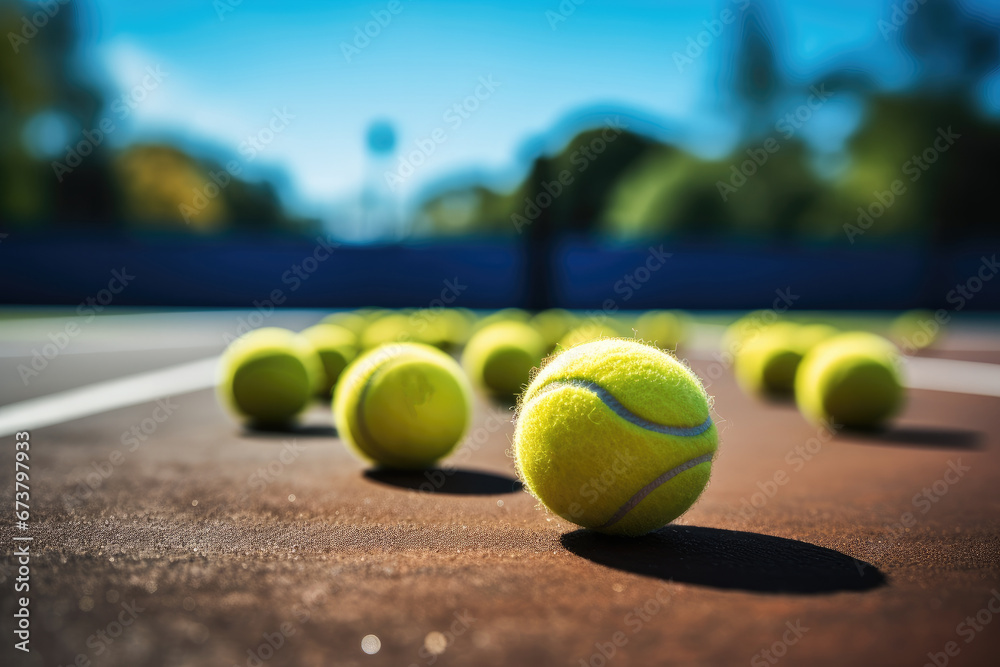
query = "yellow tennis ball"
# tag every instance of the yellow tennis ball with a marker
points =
(403, 405)
(852, 380)
(389, 328)
(502, 315)
(915, 330)
(767, 363)
(590, 331)
(553, 324)
(745, 329)
(445, 328)
(811, 335)
(337, 347)
(268, 376)
(347, 319)
(616, 436)
(662, 328)
(499, 357)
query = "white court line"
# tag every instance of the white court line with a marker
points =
(101, 397)
(21, 350)
(962, 377)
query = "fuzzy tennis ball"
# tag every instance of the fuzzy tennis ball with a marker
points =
(499, 357)
(663, 328)
(268, 376)
(336, 347)
(851, 379)
(403, 405)
(615, 435)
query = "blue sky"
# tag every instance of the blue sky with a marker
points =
(228, 70)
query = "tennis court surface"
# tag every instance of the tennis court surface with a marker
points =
(165, 534)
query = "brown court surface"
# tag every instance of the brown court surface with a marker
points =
(218, 539)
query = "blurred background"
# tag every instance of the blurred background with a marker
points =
(536, 154)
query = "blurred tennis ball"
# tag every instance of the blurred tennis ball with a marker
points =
(371, 313)
(457, 324)
(663, 328)
(915, 330)
(553, 324)
(403, 405)
(337, 347)
(811, 335)
(625, 321)
(616, 436)
(444, 328)
(590, 331)
(851, 379)
(503, 315)
(349, 320)
(391, 327)
(767, 363)
(268, 376)
(499, 358)
(744, 329)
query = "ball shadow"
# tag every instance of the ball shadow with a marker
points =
(780, 399)
(448, 481)
(256, 430)
(728, 559)
(923, 436)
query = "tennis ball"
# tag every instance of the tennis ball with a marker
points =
(403, 405)
(444, 328)
(662, 328)
(767, 363)
(387, 328)
(916, 329)
(268, 376)
(502, 315)
(552, 325)
(851, 380)
(349, 320)
(457, 323)
(615, 435)
(811, 335)
(591, 331)
(499, 357)
(745, 329)
(336, 347)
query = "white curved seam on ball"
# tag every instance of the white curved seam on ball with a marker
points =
(652, 486)
(616, 406)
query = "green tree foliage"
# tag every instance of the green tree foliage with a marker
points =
(919, 168)
(941, 152)
(166, 188)
(86, 183)
(36, 78)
